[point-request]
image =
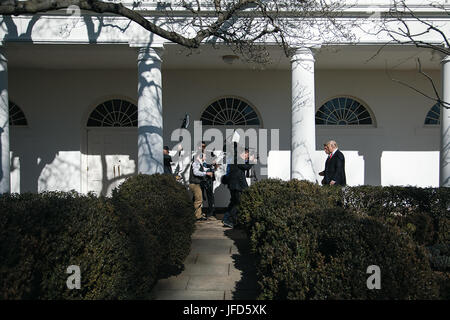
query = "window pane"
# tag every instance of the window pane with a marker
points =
(16, 115)
(229, 111)
(433, 116)
(343, 111)
(114, 113)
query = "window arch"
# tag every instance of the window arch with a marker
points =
(230, 111)
(434, 115)
(344, 111)
(114, 113)
(16, 116)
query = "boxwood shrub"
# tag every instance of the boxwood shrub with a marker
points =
(120, 254)
(309, 245)
(424, 212)
(43, 234)
(165, 210)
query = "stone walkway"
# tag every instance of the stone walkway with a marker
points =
(219, 267)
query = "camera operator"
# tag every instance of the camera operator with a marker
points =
(196, 178)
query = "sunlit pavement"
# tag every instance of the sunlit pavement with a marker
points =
(219, 267)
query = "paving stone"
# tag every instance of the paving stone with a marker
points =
(216, 246)
(219, 266)
(211, 283)
(211, 231)
(214, 258)
(228, 295)
(214, 226)
(189, 295)
(241, 295)
(209, 234)
(191, 258)
(173, 283)
(206, 269)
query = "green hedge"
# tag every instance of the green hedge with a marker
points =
(43, 234)
(165, 210)
(310, 244)
(119, 254)
(423, 212)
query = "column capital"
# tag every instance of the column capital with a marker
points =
(304, 53)
(445, 58)
(154, 54)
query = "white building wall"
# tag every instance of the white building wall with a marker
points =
(400, 114)
(57, 103)
(192, 91)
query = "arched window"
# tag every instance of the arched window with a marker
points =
(229, 112)
(343, 111)
(434, 115)
(114, 113)
(16, 116)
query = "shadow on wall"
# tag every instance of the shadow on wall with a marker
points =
(60, 171)
(27, 167)
(64, 30)
(61, 29)
(40, 171)
(110, 175)
(33, 171)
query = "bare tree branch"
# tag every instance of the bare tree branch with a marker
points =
(405, 27)
(436, 98)
(243, 25)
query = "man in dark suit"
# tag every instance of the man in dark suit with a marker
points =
(334, 173)
(167, 161)
(208, 183)
(237, 183)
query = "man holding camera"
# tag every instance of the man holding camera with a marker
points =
(196, 178)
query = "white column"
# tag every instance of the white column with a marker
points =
(444, 165)
(4, 126)
(150, 118)
(303, 115)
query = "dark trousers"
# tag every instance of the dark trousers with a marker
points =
(208, 193)
(233, 207)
